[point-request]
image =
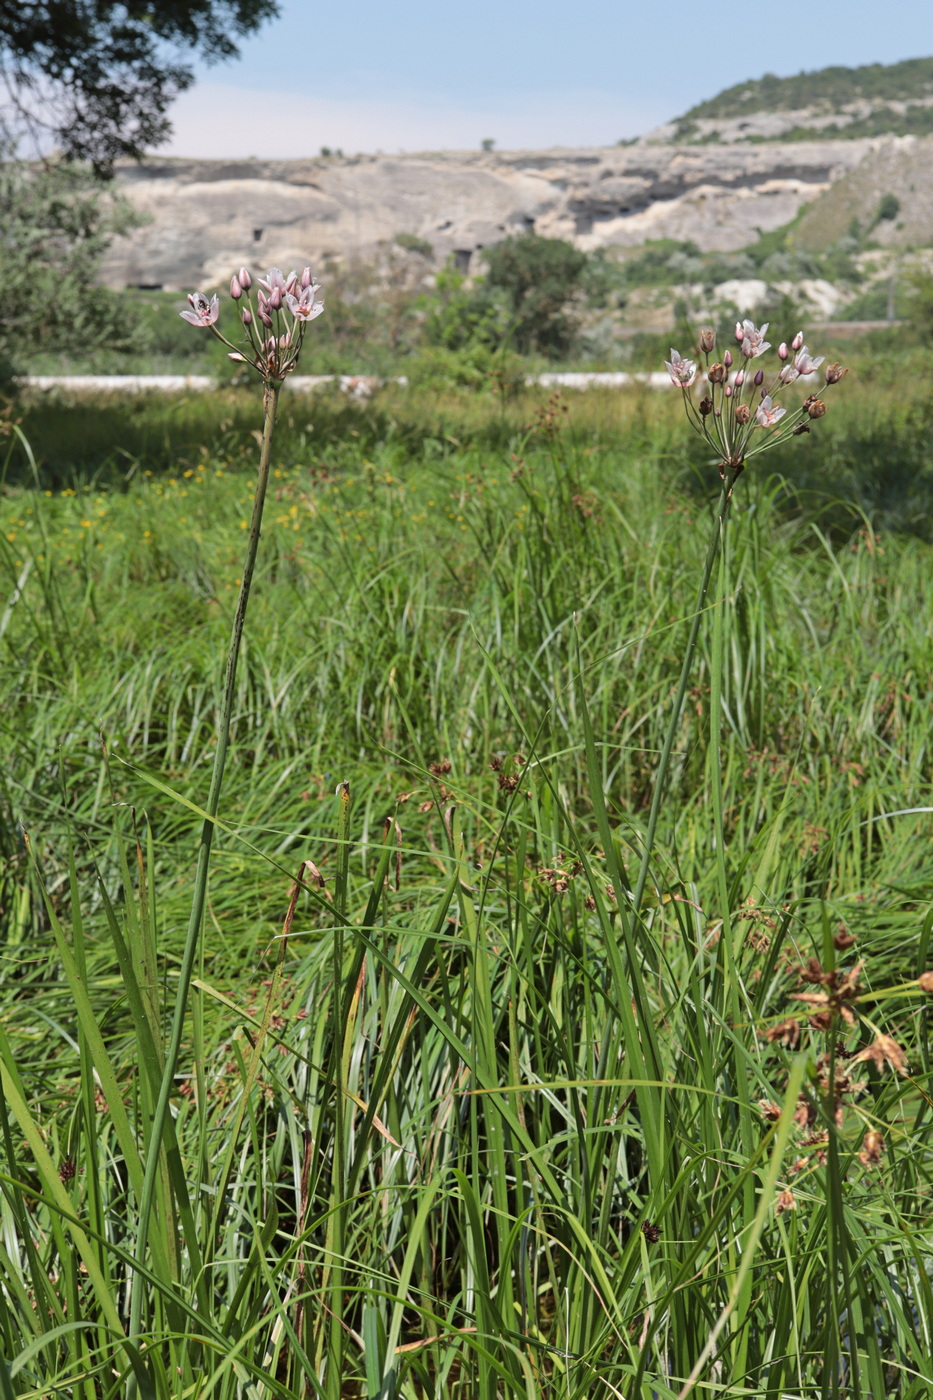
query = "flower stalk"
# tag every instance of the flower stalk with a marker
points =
(273, 360)
(737, 428)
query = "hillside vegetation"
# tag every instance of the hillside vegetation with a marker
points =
(874, 100)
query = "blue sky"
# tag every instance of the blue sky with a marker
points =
(415, 75)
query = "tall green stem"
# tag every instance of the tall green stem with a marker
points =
(660, 780)
(269, 404)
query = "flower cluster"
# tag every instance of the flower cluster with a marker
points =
(740, 415)
(275, 323)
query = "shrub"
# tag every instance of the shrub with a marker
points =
(538, 277)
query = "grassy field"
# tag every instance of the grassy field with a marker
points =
(475, 1128)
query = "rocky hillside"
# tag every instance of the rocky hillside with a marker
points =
(208, 216)
(837, 103)
(843, 148)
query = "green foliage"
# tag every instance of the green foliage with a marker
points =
(459, 317)
(470, 1130)
(413, 244)
(106, 73)
(56, 221)
(889, 207)
(919, 307)
(538, 277)
(824, 87)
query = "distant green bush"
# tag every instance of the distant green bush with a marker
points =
(538, 278)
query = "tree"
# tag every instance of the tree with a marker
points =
(99, 76)
(56, 220)
(539, 277)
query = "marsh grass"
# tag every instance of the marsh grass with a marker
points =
(471, 1129)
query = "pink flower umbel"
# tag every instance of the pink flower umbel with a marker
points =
(768, 413)
(203, 312)
(737, 405)
(272, 356)
(682, 372)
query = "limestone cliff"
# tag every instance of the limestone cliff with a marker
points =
(206, 217)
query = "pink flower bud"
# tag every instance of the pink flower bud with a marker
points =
(797, 341)
(236, 291)
(244, 279)
(275, 298)
(306, 278)
(739, 332)
(740, 379)
(246, 316)
(728, 389)
(727, 359)
(760, 378)
(783, 351)
(283, 342)
(235, 355)
(264, 316)
(292, 282)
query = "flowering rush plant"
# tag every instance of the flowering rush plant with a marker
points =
(275, 323)
(740, 416)
(275, 326)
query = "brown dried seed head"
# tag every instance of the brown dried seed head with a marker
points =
(801, 428)
(842, 938)
(651, 1232)
(67, 1170)
(438, 768)
(769, 1110)
(717, 373)
(834, 372)
(706, 406)
(785, 1201)
(742, 413)
(884, 1051)
(816, 409)
(925, 983)
(707, 339)
(873, 1146)
(787, 1032)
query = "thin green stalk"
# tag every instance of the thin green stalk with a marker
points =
(269, 404)
(660, 781)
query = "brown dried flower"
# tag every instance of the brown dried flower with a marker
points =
(834, 372)
(872, 1148)
(742, 413)
(787, 1033)
(884, 1051)
(816, 409)
(707, 340)
(785, 1201)
(925, 983)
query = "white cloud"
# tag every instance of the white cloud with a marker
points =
(220, 121)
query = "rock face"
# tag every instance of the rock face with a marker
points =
(901, 167)
(206, 217)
